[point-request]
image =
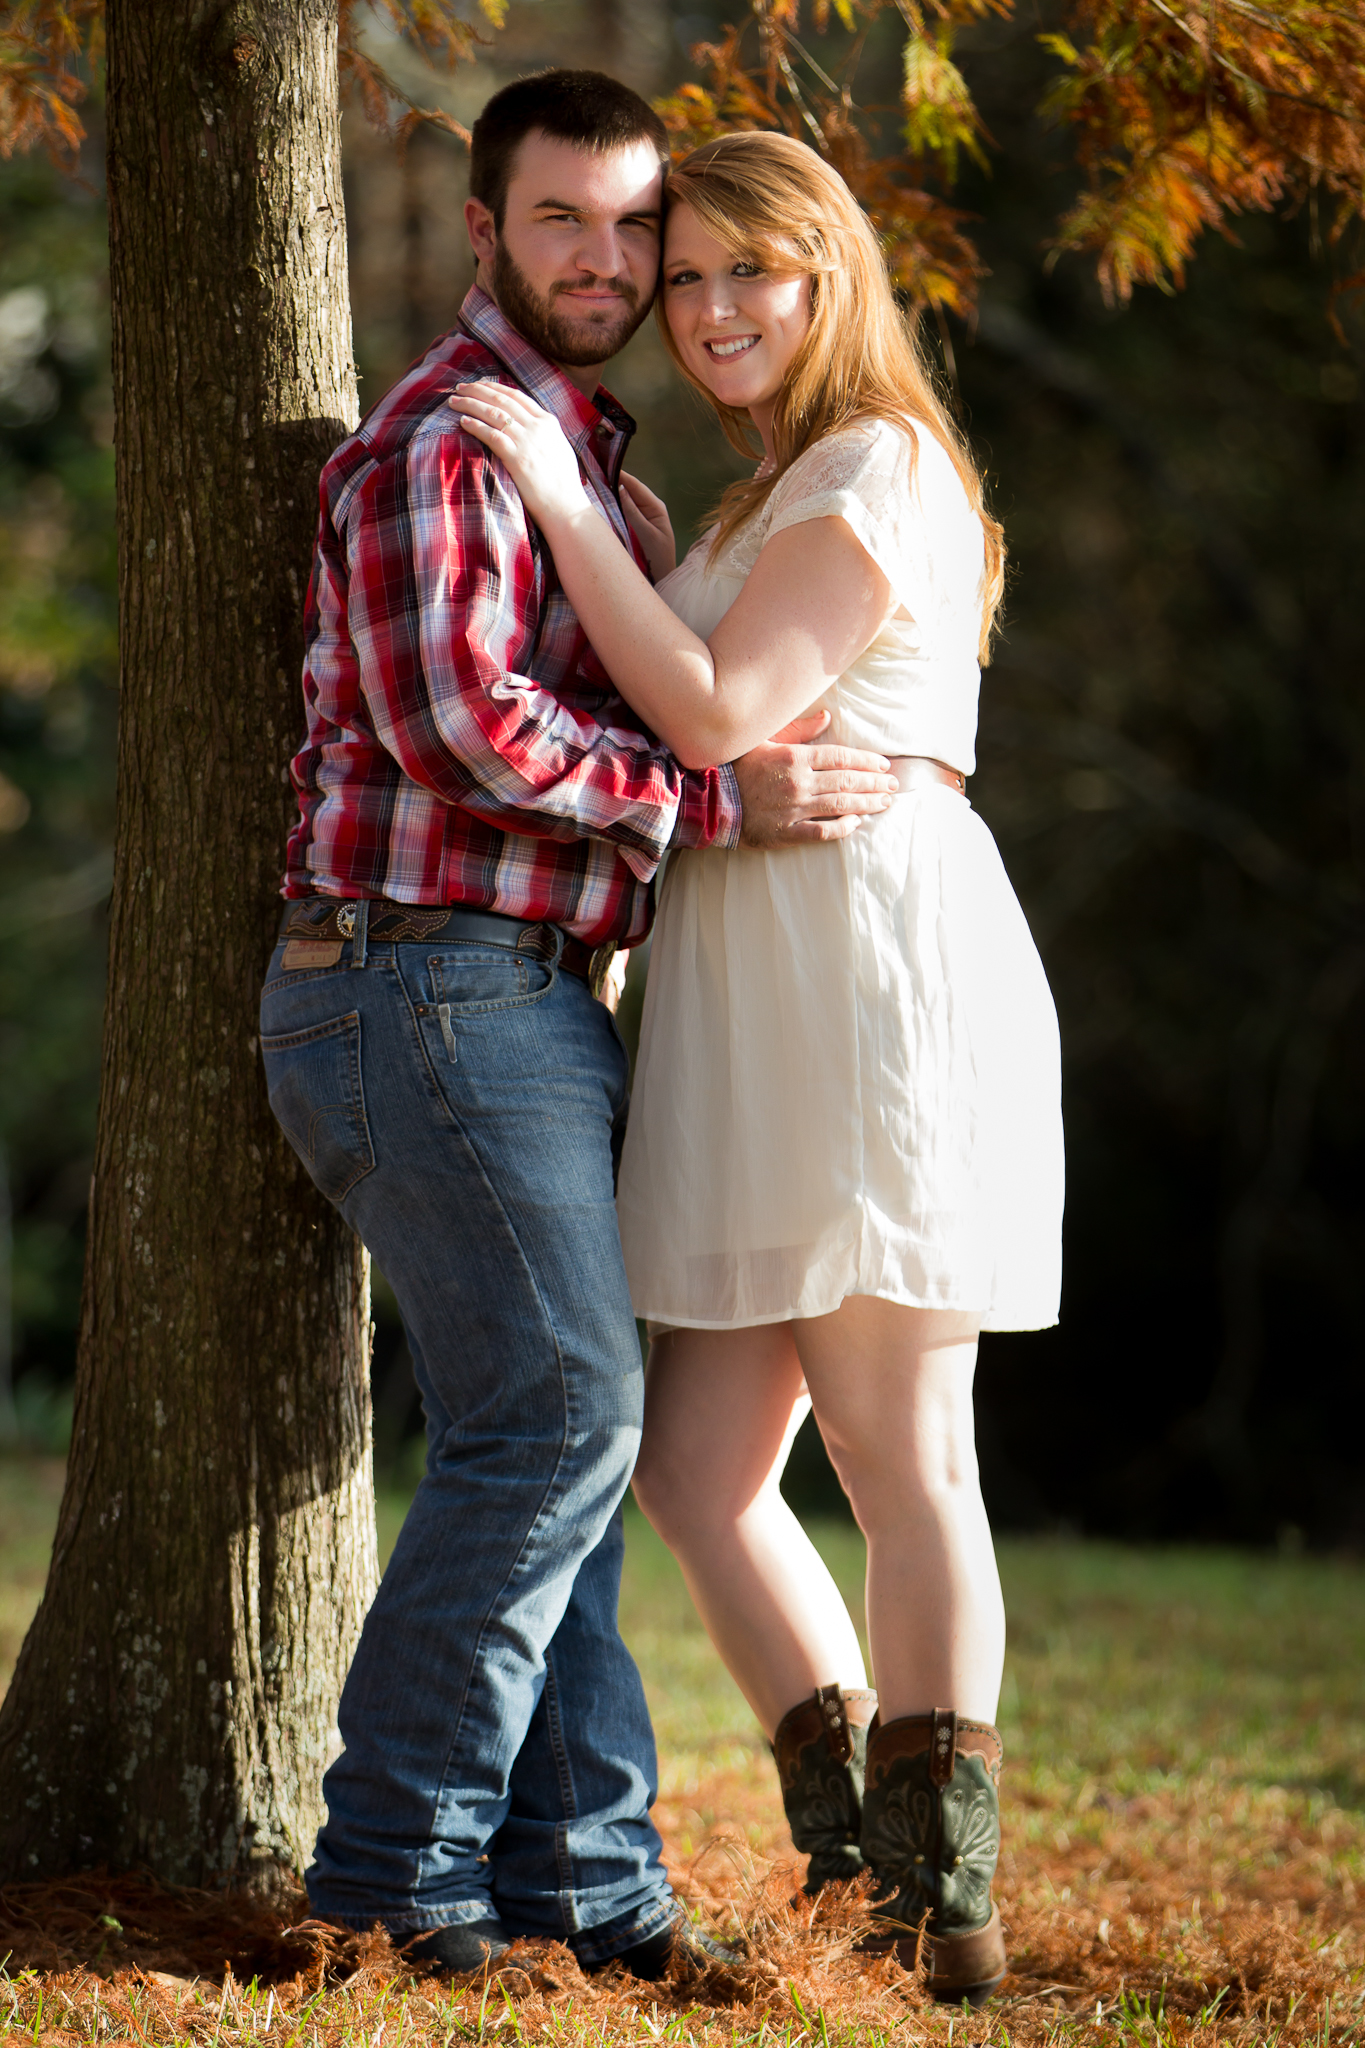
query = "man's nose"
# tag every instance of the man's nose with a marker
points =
(600, 252)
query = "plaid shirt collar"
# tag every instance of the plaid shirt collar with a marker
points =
(597, 430)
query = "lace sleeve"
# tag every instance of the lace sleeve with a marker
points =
(904, 502)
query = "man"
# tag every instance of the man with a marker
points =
(481, 821)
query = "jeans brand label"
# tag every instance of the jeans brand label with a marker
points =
(311, 953)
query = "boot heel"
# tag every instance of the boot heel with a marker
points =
(969, 1966)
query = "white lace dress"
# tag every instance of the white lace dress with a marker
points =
(848, 1079)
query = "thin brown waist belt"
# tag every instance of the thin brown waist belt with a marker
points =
(313, 925)
(913, 771)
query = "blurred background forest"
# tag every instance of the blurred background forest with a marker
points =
(1172, 758)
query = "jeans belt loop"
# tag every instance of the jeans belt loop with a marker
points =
(360, 932)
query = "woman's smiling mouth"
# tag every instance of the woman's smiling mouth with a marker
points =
(726, 351)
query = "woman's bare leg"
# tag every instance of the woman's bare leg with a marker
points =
(892, 1388)
(721, 1410)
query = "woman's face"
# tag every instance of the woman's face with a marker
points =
(736, 327)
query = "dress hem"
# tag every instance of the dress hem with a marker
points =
(990, 1323)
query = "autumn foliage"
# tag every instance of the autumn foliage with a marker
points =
(444, 38)
(1186, 113)
(1183, 116)
(47, 48)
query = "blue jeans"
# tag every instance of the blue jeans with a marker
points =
(460, 1105)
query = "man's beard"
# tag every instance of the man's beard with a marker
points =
(577, 342)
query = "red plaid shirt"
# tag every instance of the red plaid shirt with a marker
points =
(464, 743)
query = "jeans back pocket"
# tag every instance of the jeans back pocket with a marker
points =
(316, 1093)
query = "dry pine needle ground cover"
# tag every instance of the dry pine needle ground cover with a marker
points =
(1184, 1823)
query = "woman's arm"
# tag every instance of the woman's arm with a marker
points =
(814, 601)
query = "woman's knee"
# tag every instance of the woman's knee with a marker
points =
(674, 1491)
(719, 1413)
(654, 1484)
(909, 1467)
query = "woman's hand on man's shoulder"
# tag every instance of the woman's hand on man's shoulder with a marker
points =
(647, 518)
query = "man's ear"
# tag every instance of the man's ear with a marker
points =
(483, 235)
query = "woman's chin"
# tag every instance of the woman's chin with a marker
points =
(739, 393)
(727, 385)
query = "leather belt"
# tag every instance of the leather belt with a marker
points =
(332, 919)
(913, 771)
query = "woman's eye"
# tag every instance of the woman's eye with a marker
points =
(683, 277)
(746, 270)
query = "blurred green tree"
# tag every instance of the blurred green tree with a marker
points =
(57, 648)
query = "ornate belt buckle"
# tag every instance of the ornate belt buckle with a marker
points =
(345, 917)
(599, 966)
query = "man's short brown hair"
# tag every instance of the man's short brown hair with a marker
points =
(585, 108)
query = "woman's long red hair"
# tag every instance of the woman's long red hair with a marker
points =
(777, 204)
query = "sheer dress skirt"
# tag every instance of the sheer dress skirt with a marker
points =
(848, 1083)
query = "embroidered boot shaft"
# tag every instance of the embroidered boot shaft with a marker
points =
(821, 1753)
(931, 1832)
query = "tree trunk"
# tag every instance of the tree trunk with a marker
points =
(175, 1702)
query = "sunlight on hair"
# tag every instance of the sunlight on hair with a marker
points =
(860, 360)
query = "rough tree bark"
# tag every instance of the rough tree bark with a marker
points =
(175, 1701)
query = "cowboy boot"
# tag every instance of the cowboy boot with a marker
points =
(931, 1833)
(821, 1750)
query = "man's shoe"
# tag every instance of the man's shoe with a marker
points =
(456, 1950)
(680, 1949)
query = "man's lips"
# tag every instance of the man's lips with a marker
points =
(589, 295)
(727, 348)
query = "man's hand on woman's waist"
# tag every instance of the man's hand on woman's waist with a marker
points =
(793, 791)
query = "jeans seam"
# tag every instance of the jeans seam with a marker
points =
(537, 1520)
(563, 1854)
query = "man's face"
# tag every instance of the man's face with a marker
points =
(575, 264)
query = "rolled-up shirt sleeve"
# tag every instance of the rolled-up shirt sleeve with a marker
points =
(445, 607)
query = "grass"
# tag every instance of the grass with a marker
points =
(30, 1494)
(1184, 1816)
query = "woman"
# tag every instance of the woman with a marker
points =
(844, 1154)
